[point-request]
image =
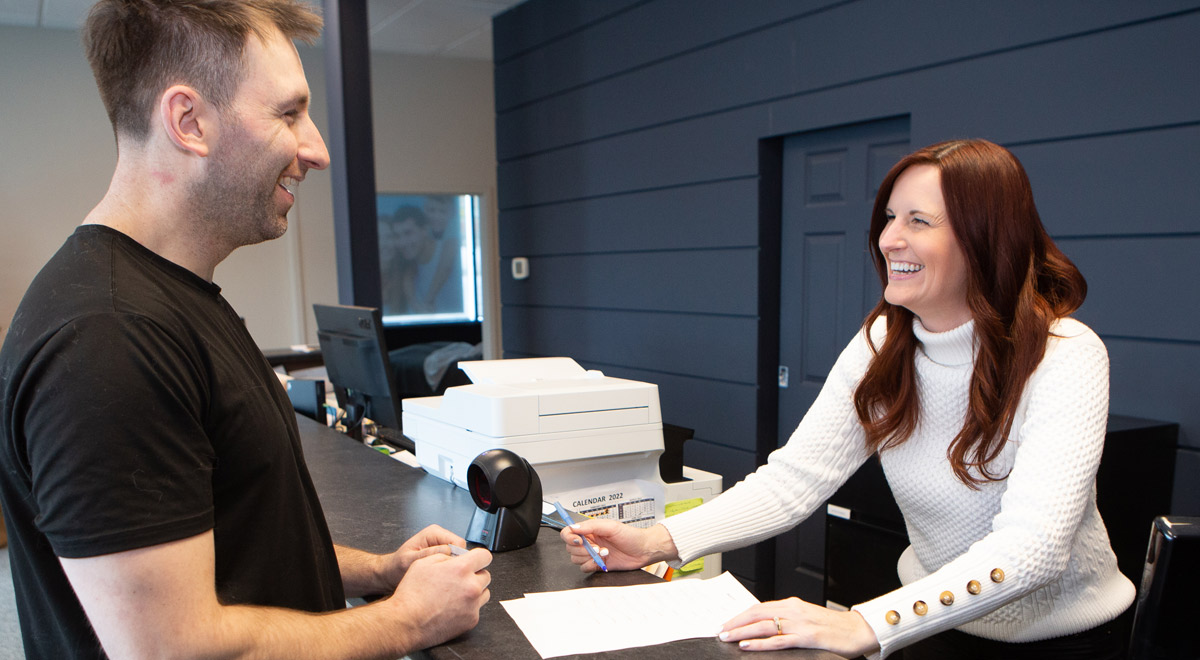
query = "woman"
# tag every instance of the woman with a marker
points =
(987, 406)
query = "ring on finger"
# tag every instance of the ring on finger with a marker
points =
(778, 625)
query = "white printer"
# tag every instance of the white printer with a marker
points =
(595, 441)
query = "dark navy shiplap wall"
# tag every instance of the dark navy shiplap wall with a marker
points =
(628, 143)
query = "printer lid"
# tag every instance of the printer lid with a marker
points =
(524, 370)
(531, 396)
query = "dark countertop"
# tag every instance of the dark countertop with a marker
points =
(376, 503)
(293, 359)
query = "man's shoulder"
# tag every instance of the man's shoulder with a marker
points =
(79, 270)
(94, 284)
(75, 282)
(97, 271)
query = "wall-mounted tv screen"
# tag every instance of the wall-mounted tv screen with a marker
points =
(429, 258)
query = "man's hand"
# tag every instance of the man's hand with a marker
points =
(440, 596)
(368, 574)
(432, 540)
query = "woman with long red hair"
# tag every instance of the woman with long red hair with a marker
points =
(986, 404)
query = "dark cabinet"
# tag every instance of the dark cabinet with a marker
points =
(864, 536)
(1134, 484)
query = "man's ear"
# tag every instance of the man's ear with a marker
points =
(188, 120)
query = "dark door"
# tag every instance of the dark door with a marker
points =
(827, 287)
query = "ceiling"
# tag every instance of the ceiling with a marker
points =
(438, 28)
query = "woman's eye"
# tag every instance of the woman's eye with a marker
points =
(922, 221)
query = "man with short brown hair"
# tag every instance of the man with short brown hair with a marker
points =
(157, 499)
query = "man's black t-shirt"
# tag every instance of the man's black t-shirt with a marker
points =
(137, 410)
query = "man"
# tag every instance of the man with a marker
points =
(157, 499)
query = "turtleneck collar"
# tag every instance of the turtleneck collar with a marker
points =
(951, 348)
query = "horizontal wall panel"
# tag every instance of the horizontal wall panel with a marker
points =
(1135, 288)
(685, 217)
(1156, 380)
(1012, 97)
(707, 149)
(1129, 183)
(532, 24)
(1084, 86)
(705, 346)
(646, 34)
(1019, 96)
(694, 281)
(789, 59)
(1185, 501)
(720, 412)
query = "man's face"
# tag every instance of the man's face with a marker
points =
(266, 144)
(410, 238)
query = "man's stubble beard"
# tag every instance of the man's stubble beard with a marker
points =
(235, 204)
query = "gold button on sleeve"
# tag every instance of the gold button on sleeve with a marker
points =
(947, 598)
(974, 588)
(920, 608)
(997, 575)
(892, 617)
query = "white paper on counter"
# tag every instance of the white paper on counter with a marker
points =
(597, 619)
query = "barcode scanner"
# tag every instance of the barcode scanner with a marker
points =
(508, 496)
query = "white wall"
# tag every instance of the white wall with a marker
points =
(434, 132)
(56, 152)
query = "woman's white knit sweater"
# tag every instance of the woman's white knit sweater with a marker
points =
(1039, 526)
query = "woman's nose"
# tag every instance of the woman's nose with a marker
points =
(891, 238)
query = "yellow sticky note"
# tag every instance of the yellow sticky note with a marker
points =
(680, 506)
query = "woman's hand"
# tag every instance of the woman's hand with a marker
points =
(622, 547)
(800, 625)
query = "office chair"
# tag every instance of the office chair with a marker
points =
(1168, 602)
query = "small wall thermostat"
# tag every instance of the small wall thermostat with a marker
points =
(520, 268)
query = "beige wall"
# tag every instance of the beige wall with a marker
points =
(434, 130)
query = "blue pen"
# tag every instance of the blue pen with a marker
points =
(570, 522)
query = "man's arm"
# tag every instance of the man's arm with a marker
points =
(161, 602)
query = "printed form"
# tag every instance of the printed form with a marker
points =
(597, 619)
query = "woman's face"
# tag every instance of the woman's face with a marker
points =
(927, 271)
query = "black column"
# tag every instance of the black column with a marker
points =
(351, 151)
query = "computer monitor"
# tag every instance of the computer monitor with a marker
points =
(356, 362)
